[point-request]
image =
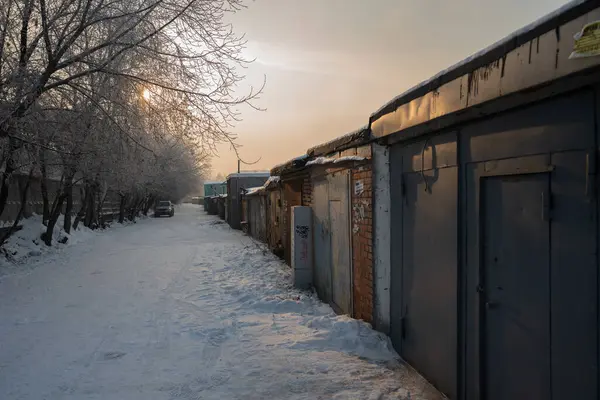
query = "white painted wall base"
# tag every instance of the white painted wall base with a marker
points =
(302, 247)
(382, 237)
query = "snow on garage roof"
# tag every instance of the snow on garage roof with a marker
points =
(257, 174)
(273, 180)
(357, 137)
(290, 165)
(489, 54)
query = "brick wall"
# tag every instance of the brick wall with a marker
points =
(362, 242)
(307, 192)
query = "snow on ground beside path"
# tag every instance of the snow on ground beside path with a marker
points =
(184, 308)
(26, 244)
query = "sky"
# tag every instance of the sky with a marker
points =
(330, 63)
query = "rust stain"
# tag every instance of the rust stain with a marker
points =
(434, 100)
(483, 74)
(470, 84)
(503, 66)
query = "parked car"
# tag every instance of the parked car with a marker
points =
(165, 208)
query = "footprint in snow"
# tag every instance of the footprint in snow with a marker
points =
(113, 355)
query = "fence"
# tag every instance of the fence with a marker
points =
(110, 208)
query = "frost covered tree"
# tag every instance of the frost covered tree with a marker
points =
(123, 96)
(45, 46)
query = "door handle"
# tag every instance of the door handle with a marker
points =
(490, 305)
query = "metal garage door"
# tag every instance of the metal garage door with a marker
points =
(424, 258)
(339, 216)
(515, 287)
(322, 240)
(331, 221)
(531, 290)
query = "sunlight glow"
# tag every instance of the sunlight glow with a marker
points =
(146, 94)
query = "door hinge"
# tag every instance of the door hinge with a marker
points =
(547, 206)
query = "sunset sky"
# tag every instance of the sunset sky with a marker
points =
(330, 63)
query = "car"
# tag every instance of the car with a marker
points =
(164, 208)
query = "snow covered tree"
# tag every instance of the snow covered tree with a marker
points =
(123, 96)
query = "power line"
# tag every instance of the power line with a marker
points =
(240, 161)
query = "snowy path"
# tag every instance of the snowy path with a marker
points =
(182, 309)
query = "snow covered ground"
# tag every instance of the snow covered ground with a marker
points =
(182, 308)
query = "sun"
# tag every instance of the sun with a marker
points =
(146, 94)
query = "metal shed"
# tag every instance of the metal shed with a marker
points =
(221, 202)
(214, 188)
(236, 183)
(494, 229)
(212, 205)
(255, 212)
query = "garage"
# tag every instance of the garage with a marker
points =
(493, 279)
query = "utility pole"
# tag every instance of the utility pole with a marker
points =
(240, 162)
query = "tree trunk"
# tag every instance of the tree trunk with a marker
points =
(4, 188)
(84, 204)
(19, 216)
(91, 208)
(10, 168)
(148, 205)
(122, 202)
(44, 189)
(57, 206)
(66, 186)
(139, 206)
(45, 201)
(100, 209)
(131, 209)
(69, 198)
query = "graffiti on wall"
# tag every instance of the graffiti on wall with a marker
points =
(358, 215)
(303, 232)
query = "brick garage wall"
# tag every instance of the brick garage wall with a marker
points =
(362, 242)
(307, 192)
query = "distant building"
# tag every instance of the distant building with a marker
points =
(237, 184)
(215, 188)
